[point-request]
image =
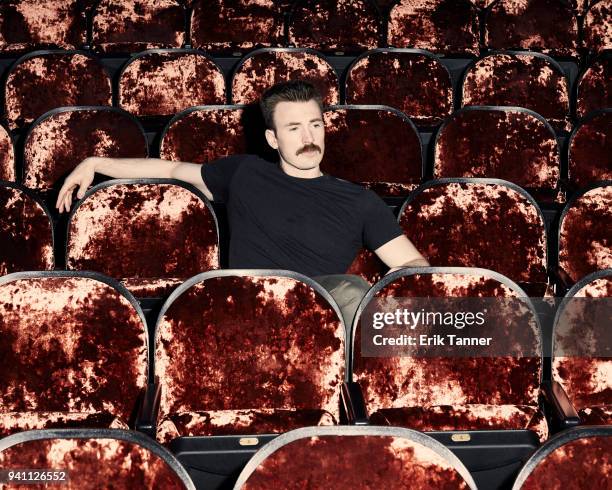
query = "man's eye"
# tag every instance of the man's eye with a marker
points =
(317, 125)
(292, 129)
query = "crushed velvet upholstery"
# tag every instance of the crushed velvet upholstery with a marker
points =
(74, 352)
(585, 234)
(266, 68)
(595, 87)
(441, 26)
(93, 463)
(433, 393)
(475, 224)
(415, 83)
(521, 80)
(43, 82)
(335, 25)
(376, 148)
(130, 26)
(579, 353)
(152, 235)
(31, 24)
(164, 83)
(229, 26)
(367, 265)
(361, 462)
(58, 143)
(577, 465)
(26, 233)
(7, 155)
(590, 151)
(511, 144)
(547, 26)
(597, 30)
(256, 348)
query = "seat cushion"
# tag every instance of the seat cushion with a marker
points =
(11, 422)
(239, 422)
(601, 415)
(465, 417)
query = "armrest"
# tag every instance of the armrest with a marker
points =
(354, 404)
(563, 410)
(561, 280)
(146, 420)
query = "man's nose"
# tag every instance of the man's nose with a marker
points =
(307, 136)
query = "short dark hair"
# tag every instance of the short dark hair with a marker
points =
(293, 91)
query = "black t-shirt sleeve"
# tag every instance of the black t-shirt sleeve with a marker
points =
(217, 175)
(379, 224)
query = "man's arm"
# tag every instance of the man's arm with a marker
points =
(127, 168)
(400, 252)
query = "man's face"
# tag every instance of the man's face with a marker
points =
(299, 134)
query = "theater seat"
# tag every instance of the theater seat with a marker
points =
(7, 155)
(151, 234)
(74, 352)
(595, 86)
(597, 29)
(41, 81)
(94, 459)
(359, 458)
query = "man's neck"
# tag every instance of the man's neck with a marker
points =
(310, 173)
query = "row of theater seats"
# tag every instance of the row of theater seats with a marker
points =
(161, 83)
(459, 27)
(248, 355)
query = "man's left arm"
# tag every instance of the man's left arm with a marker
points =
(400, 252)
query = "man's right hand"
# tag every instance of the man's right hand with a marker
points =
(82, 177)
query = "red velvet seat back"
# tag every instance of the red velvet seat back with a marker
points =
(32, 24)
(26, 231)
(547, 26)
(72, 344)
(249, 340)
(39, 82)
(230, 26)
(377, 147)
(597, 29)
(264, 68)
(149, 234)
(367, 265)
(7, 155)
(441, 26)
(130, 26)
(595, 87)
(585, 232)
(590, 150)
(163, 83)
(65, 137)
(414, 82)
(329, 25)
(506, 143)
(529, 80)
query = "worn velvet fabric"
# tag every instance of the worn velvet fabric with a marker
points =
(72, 347)
(440, 26)
(585, 235)
(152, 234)
(254, 347)
(93, 464)
(547, 26)
(521, 80)
(57, 144)
(335, 25)
(415, 83)
(13, 422)
(266, 68)
(7, 156)
(378, 149)
(26, 239)
(590, 151)
(595, 87)
(356, 462)
(513, 145)
(46, 81)
(162, 84)
(433, 393)
(597, 30)
(229, 26)
(579, 464)
(368, 265)
(26, 25)
(130, 26)
(480, 225)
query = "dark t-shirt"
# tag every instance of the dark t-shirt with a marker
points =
(313, 226)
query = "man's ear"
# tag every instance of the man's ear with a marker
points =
(271, 138)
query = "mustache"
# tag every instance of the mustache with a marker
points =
(310, 147)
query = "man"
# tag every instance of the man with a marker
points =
(286, 216)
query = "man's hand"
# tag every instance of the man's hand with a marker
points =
(82, 177)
